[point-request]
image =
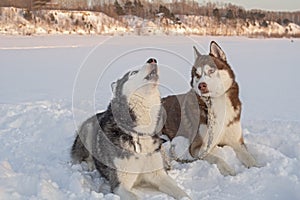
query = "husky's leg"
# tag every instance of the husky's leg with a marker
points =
(223, 167)
(78, 152)
(161, 180)
(165, 155)
(90, 163)
(125, 189)
(243, 155)
(210, 139)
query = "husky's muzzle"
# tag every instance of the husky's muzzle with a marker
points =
(203, 88)
(152, 68)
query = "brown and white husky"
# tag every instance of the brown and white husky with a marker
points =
(209, 114)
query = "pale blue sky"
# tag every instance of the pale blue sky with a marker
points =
(290, 5)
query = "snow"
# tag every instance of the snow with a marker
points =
(41, 75)
(179, 148)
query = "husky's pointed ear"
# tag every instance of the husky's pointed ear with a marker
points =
(113, 86)
(216, 51)
(196, 53)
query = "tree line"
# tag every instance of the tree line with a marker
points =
(148, 10)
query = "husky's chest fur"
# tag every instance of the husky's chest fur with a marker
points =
(133, 153)
(223, 120)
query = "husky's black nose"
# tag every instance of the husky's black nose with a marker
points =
(152, 61)
(203, 87)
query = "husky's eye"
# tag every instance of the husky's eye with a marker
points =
(198, 72)
(134, 72)
(211, 71)
(198, 76)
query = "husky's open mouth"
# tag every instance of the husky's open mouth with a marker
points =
(153, 75)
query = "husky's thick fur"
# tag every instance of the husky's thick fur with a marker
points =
(209, 114)
(122, 142)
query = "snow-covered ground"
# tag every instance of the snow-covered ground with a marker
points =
(41, 75)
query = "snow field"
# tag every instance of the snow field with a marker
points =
(37, 126)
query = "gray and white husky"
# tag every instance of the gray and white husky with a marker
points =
(121, 143)
(209, 114)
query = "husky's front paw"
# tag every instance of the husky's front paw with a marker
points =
(226, 171)
(223, 167)
(250, 162)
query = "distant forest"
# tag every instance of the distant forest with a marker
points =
(149, 9)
